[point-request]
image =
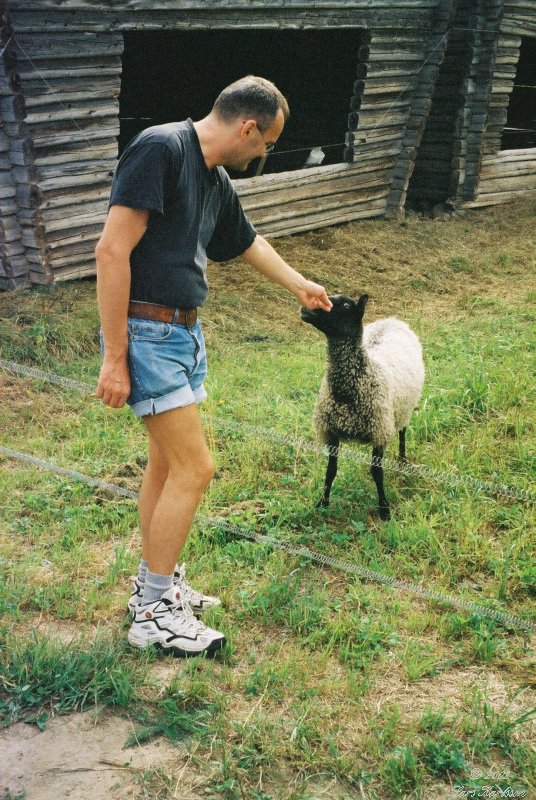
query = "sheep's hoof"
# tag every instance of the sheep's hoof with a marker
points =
(322, 503)
(385, 514)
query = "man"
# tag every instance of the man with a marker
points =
(172, 205)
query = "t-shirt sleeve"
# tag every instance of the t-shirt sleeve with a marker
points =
(144, 177)
(233, 233)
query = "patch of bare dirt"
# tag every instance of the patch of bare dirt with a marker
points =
(80, 757)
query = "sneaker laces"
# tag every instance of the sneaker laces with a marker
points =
(187, 591)
(182, 612)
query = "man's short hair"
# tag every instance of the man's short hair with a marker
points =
(254, 97)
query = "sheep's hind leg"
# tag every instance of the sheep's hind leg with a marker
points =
(402, 445)
(331, 471)
(376, 470)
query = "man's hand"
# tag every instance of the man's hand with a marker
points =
(114, 383)
(312, 295)
(262, 256)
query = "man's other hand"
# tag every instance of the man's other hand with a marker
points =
(113, 387)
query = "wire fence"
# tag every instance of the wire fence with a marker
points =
(443, 598)
(449, 476)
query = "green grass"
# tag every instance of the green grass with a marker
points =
(326, 680)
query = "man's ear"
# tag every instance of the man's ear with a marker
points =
(248, 126)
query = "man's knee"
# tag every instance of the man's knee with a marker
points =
(198, 473)
(205, 471)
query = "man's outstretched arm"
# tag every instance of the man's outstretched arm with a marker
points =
(262, 256)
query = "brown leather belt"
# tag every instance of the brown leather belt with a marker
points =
(180, 316)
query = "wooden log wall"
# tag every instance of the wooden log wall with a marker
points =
(13, 264)
(508, 174)
(448, 158)
(62, 125)
(421, 102)
(59, 95)
(69, 125)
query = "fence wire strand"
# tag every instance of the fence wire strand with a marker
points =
(392, 465)
(301, 551)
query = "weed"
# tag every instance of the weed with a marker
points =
(401, 772)
(460, 264)
(489, 728)
(43, 672)
(443, 755)
(175, 718)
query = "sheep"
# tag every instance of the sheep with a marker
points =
(373, 382)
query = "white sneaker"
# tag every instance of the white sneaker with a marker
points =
(198, 602)
(169, 623)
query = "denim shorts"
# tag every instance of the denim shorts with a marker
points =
(167, 365)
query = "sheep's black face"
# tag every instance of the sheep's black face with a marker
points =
(343, 321)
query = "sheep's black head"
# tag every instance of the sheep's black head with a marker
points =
(345, 319)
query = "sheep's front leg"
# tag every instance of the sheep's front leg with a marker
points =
(331, 472)
(376, 470)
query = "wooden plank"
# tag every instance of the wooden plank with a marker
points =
(78, 68)
(46, 99)
(314, 221)
(494, 198)
(82, 235)
(72, 181)
(31, 197)
(73, 212)
(247, 187)
(82, 270)
(81, 153)
(287, 18)
(519, 183)
(528, 153)
(286, 196)
(317, 206)
(88, 255)
(105, 6)
(65, 172)
(47, 132)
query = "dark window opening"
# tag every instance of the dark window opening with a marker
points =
(171, 75)
(520, 129)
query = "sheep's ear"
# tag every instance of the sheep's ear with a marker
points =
(361, 303)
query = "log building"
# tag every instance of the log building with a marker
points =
(393, 103)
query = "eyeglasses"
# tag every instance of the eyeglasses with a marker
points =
(268, 148)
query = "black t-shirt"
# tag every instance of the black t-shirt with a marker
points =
(195, 213)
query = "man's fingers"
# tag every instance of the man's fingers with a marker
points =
(111, 398)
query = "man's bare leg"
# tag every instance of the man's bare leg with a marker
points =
(154, 478)
(178, 437)
(178, 457)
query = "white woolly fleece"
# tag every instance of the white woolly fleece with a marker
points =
(382, 381)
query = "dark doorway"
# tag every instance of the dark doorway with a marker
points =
(520, 129)
(171, 75)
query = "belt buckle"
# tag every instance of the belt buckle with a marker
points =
(187, 317)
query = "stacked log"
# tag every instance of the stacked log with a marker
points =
(393, 63)
(506, 175)
(62, 125)
(287, 202)
(13, 264)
